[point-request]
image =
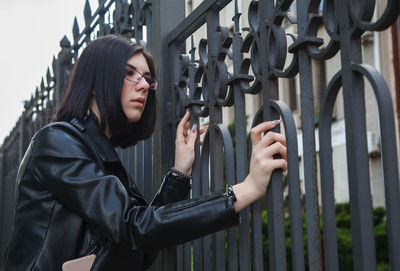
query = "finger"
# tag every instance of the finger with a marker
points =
(278, 163)
(192, 136)
(180, 132)
(276, 148)
(186, 126)
(270, 138)
(260, 128)
(184, 120)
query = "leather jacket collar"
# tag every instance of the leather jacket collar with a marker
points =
(103, 146)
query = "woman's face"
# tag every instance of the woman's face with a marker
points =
(135, 89)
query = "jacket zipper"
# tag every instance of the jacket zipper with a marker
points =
(220, 194)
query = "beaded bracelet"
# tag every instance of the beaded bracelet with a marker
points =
(180, 173)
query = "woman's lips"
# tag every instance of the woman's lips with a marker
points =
(139, 102)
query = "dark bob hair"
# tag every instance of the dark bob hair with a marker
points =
(101, 68)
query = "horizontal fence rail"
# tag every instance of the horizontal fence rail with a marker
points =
(208, 73)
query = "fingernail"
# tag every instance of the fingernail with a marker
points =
(194, 127)
(276, 121)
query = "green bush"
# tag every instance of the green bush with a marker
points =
(344, 238)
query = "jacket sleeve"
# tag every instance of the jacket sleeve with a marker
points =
(172, 189)
(63, 164)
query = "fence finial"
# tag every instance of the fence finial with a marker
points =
(65, 43)
(87, 13)
(236, 17)
(75, 30)
(48, 76)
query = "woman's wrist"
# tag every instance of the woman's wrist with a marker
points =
(183, 169)
(176, 172)
(246, 193)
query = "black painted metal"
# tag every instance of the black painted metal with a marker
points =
(200, 79)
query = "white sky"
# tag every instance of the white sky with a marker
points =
(31, 31)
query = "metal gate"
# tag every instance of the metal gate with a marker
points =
(220, 71)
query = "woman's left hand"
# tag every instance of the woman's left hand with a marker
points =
(184, 145)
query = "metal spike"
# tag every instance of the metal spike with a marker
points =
(42, 84)
(236, 7)
(75, 30)
(87, 12)
(54, 64)
(65, 43)
(236, 17)
(193, 49)
(48, 76)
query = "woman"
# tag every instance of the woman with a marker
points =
(74, 196)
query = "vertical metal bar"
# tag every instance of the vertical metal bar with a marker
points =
(307, 123)
(196, 170)
(2, 205)
(331, 258)
(276, 229)
(187, 257)
(63, 62)
(216, 158)
(148, 144)
(205, 186)
(356, 146)
(241, 146)
(163, 139)
(296, 222)
(179, 258)
(395, 29)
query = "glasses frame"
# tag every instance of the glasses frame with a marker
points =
(141, 77)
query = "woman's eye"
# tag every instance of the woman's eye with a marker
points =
(129, 73)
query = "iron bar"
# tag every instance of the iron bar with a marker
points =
(241, 142)
(309, 153)
(195, 20)
(270, 89)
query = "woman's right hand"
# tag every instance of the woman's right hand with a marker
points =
(262, 164)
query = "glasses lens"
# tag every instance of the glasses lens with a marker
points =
(153, 83)
(133, 76)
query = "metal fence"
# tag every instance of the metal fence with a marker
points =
(220, 71)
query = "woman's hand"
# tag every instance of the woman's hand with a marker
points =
(262, 164)
(184, 145)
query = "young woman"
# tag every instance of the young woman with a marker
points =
(74, 196)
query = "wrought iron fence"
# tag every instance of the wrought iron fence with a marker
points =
(221, 71)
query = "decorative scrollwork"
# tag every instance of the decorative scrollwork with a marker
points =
(361, 13)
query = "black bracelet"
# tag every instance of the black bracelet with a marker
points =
(180, 173)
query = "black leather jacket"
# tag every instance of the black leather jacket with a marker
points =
(75, 198)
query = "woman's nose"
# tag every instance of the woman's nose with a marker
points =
(142, 84)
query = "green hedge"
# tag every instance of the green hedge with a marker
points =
(343, 236)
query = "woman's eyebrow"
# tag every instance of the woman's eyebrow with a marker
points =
(134, 68)
(130, 66)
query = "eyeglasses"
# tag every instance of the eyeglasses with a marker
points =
(135, 76)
